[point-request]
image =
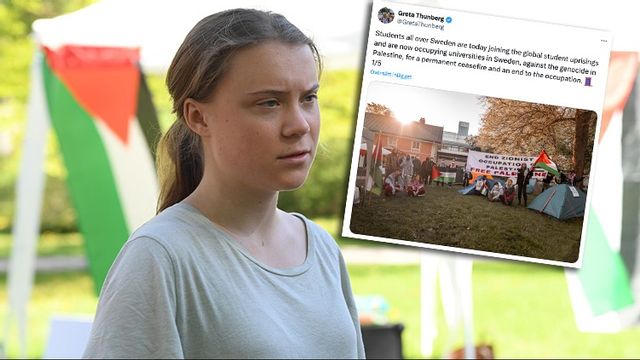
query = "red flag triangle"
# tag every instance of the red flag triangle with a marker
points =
(104, 81)
(435, 173)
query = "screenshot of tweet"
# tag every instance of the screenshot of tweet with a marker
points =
(475, 133)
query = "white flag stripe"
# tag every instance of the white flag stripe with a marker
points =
(134, 173)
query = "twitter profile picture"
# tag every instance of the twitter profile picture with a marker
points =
(386, 15)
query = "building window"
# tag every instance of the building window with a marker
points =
(415, 145)
(392, 141)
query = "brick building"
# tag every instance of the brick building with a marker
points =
(415, 138)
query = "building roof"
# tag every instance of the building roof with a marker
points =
(415, 130)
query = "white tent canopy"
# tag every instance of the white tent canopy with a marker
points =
(158, 27)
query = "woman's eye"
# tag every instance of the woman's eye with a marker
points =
(269, 103)
(311, 98)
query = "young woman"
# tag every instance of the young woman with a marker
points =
(509, 193)
(221, 272)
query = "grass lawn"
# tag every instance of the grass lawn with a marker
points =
(445, 217)
(523, 310)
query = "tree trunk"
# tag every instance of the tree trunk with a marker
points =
(581, 140)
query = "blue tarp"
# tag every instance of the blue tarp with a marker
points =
(469, 190)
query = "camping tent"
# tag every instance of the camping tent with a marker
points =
(560, 201)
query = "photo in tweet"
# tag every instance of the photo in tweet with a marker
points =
(473, 139)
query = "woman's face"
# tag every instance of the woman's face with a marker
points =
(263, 117)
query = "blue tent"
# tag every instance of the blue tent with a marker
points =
(560, 201)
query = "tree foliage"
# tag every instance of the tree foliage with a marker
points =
(523, 128)
(16, 48)
(16, 52)
(379, 109)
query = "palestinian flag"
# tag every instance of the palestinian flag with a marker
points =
(100, 109)
(435, 173)
(443, 174)
(543, 162)
(605, 290)
(96, 101)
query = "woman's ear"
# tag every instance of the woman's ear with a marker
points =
(194, 117)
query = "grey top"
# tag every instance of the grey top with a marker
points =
(180, 287)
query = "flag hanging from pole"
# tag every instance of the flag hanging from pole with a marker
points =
(102, 115)
(544, 162)
(99, 107)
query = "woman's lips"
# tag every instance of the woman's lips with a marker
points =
(296, 157)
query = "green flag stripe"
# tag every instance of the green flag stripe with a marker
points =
(446, 176)
(548, 168)
(90, 179)
(603, 275)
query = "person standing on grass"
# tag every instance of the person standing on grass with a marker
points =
(425, 171)
(221, 272)
(416, 166)
(443, 169)
(524, 175)
(407, 171)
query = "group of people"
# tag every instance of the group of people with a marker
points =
(408, 173)
(409, 166)
(395, 182)
(571, 179)
(452, 168)
(507, 193)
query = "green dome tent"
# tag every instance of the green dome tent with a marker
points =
(560, 201)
